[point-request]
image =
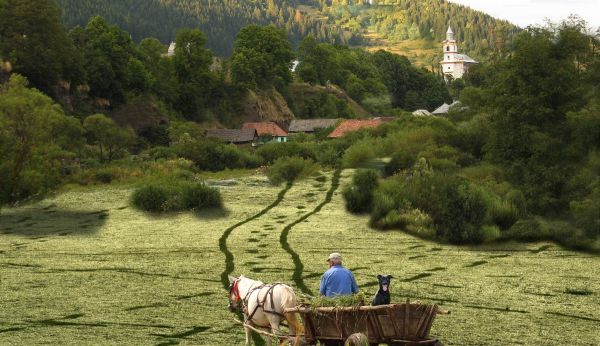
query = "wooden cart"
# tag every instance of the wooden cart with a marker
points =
(395, 324)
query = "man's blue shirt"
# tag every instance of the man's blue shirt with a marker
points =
(337, 281)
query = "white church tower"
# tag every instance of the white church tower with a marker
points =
(454, 64)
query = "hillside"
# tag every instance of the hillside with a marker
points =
(412, 28)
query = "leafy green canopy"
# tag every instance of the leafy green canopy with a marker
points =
(33, 39)
(35, 140)
(363, 75)
(262, 57)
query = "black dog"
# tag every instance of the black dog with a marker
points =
(383, 295)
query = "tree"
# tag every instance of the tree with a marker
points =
(107, 135)
(262, 57)
(107, 52)
(35, 42)
(537, 86)
(35, 136)
(317, 63)
(192, 68)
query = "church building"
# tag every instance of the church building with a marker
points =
(454, 65)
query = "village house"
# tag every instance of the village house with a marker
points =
(445, 108)
(311, 125)
(268, 131)
(352, 125)
(234, 136)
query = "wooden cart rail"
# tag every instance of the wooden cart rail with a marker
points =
(395, 323)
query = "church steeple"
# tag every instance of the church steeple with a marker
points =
(454, 64)
(449, 34)
(450, 46)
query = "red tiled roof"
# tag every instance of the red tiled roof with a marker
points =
(354, 125)
(266, 128)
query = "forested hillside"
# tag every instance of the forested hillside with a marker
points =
(333, 21)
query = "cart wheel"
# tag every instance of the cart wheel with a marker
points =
(357, 339)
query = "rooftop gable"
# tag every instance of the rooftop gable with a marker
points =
(233, 135)
(311, 125)
(355, 125)
(266, 128)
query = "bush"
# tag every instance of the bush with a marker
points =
(525, 230)
(457, 209)
(199, 196)
(162, 197)
(288, 169)
(157, 153)
(212, 155)
(151, 198)
(359, 195)
(401, 160)
(359, 154)
(270, 152)
(586, 213)
(104, 176)
(504, 215)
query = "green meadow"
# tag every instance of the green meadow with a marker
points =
(83, 267)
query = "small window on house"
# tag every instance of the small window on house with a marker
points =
(447, 48)
(448, 57)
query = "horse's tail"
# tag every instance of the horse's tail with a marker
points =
(294, 323)
(289, 301)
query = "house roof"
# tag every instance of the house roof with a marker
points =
(465, 58)
(421, 112)
(311, 125)
(445, 108)
(233, 135)
(266, 128)
(355, 125)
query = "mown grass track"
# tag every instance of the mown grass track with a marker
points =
(283, 239)
(229, 259)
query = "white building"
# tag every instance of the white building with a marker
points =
(454, 64)
(171, 50)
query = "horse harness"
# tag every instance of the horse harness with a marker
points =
(259, 303)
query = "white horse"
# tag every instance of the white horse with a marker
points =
(263, 305)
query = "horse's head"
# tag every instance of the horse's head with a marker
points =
(234, 294)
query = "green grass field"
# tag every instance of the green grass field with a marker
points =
(85, 268)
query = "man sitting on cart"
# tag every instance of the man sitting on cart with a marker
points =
(338, 280)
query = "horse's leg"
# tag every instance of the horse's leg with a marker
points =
(275, 321)
(248, 335)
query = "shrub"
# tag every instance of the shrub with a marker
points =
(151, 198)
(388, 198)
(212, 155)
(490, 233)
(200, 196)
(359, 195)
(504, 215)
(359, 154)
(288, 169)
(104, 176)
(157, 197)
(525, 230)
(270, 152)
(157, 153)
(401, 160)
(586, 213)
(457, 210)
